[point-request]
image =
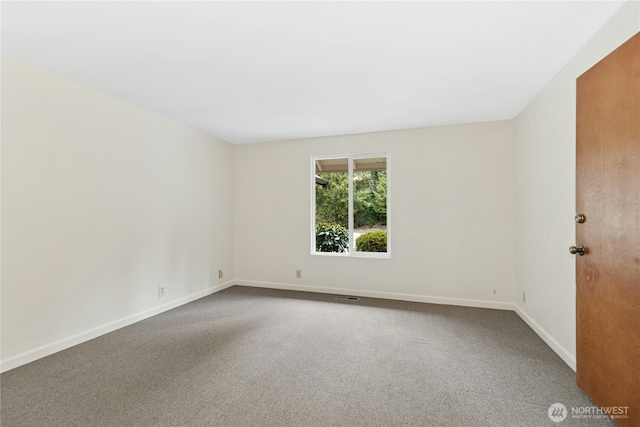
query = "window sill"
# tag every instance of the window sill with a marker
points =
(380, 255)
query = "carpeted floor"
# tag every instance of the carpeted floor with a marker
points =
(259, 357)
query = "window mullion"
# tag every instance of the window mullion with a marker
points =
(351, 242)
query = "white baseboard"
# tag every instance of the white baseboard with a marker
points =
(54, 347)
(498, 305)
(568, 358)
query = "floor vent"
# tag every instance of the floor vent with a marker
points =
(347, 298)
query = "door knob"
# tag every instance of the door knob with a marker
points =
(577, 250)
(580, 218)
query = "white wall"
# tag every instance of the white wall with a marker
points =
(102, 202)
(545, 192)
(451, 201)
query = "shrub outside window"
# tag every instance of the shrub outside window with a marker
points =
(350, 205)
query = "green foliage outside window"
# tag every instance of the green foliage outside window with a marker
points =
(375, 241)
(369, 199)
(332, 238)
(332, 201)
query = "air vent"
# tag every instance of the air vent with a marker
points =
(347, 298)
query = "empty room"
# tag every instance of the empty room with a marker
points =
(320, 213)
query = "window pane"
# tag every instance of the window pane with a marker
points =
(370, 204)
(332, 205)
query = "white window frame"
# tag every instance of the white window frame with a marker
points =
(352, 252)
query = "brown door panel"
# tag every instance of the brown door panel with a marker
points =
(608, 194)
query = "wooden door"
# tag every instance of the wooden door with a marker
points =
(608, 194)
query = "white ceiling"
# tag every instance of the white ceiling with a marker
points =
(261, 71)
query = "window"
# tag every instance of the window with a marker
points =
(350, 205)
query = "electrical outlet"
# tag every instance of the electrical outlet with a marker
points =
(494, 291)
(160, 291)
(298, 274)
(220, 274)
(524, 297)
